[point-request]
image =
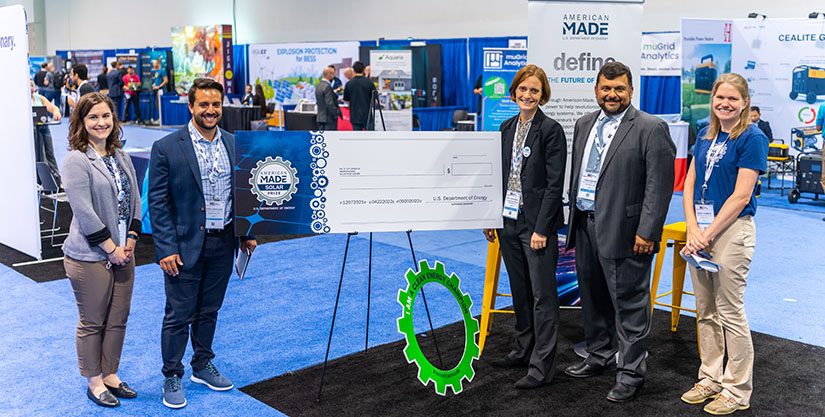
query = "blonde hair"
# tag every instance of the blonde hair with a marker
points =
(741, 85)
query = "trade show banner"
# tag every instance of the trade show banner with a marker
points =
(19, 213)
(146, 75)
(391, 72)
(289, 72)
(500, 66)
(93, 61)
(201, 51)
(661, 54)
(783, 61)
(571, 41)
(302, 182)
(34, 64)
(706, 53)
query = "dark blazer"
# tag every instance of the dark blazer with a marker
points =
(327, 102)
(542, 173)
(115, 82)
(765, 127)
(635, 185)
(102, 82)
(176, 203)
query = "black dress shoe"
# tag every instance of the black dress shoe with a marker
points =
(106, 399)
(122, 391)
(621, 393)
(528, 382)
(507, 362)
(584, 370)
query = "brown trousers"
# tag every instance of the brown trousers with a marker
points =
(104, 297)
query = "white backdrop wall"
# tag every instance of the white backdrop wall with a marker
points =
(69, 25)
(19, 215)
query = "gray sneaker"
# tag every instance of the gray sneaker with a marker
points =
(173, 396)
(213, 379)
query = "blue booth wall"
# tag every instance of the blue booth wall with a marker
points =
(461, 65)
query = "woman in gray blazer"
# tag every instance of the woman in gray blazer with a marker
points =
(100, 182)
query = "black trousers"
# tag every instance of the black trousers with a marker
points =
(364, 126)
(193, 299)
(615, 296)
(328, 125)
(535, 297)
(132, 101)
(44, 149)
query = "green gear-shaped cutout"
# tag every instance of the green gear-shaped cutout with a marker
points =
(426, 371)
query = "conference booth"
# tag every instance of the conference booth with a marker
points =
(434, 165)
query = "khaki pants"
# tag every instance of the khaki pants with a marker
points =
(723, 326)
(104, 297)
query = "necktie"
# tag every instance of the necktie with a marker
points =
(595, 158)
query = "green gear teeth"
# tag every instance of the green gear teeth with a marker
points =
(412, 352)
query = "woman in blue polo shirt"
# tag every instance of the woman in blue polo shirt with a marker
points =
(719, 202)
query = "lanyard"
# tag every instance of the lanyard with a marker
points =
(711, 157)
(599, 142)
(213, 173)
(518, 151)
(121, 193)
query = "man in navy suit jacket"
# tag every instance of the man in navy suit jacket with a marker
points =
(190, 205)
(115, 80)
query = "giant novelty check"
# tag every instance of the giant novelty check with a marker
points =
(338, 182)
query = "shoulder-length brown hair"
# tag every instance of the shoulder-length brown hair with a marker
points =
(531, 71)
(741, 85)
(79, 137)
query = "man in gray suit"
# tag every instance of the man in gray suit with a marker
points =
(327, 102)
(621, 184)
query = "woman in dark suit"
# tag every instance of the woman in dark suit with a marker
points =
(100, 182)
(534, 154)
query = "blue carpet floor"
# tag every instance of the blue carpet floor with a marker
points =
(277, 319)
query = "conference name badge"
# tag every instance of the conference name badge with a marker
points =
(274, 181)
(526, 151)
(511, 204)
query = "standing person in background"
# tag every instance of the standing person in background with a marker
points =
(132, 93)
(621, 184)
(337, 85)
(103, 193)
(40, 76)
(50, 88)
(79, 77)
(327, 102)
(115, 81)
(534, 153)
(102, 83)
(763, 125)
(260, 100)
(159, 81)
(194, 235)
(719, 207)
(358, 93)
(44, 147)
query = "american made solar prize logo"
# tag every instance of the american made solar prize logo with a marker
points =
(274, 181)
